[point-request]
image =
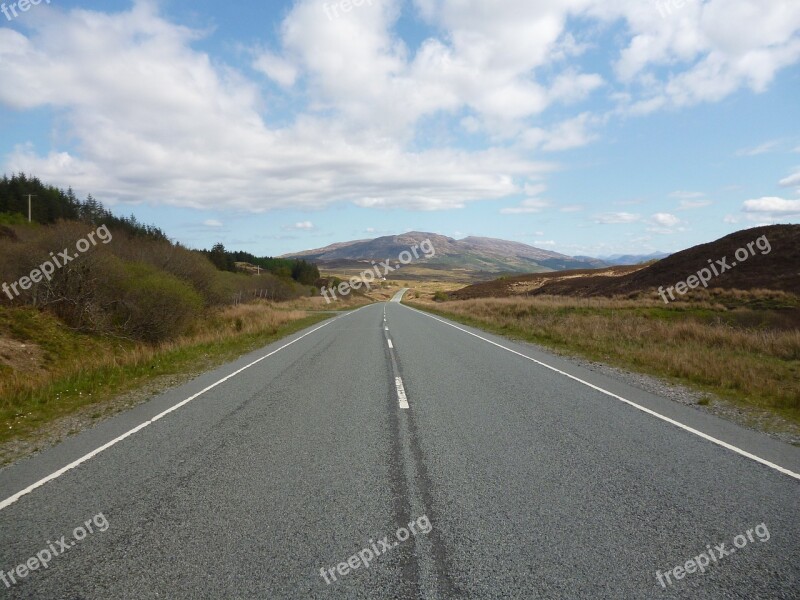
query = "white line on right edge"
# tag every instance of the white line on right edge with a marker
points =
(696, 432)
(12, 499)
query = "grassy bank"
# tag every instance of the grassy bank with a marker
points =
(742, 347)
(48, 371)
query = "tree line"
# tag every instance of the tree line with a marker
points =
(51, 204)
(140, 285)
(299, 270)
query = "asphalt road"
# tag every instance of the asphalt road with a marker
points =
(536, 483)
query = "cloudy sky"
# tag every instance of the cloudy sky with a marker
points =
(582, 126)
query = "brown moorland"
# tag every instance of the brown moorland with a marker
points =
(779, 269)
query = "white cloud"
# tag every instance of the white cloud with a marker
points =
(705, 51)
(277, 69)
(154, 117)
(142, 101)
(665, 219)
(691, 200)
(681, 195)
(664, 224)
(212, 223)
(573, 133)
(617, 218)
(301, 226)
(764, 148)
(541, 243)
(571, 86)
(692, 204)
(792, 180)
(529, 206)
(772, 207)
(535, 189)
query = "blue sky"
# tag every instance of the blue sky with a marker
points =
(581, 126)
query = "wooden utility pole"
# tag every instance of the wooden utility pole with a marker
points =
(29, 206)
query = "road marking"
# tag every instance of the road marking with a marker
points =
(401, 392)
(390, 344)
(387, 329)
(12, 499)
(644, 409)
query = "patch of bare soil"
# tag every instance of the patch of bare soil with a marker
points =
(20, 357)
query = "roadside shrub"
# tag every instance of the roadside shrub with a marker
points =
(136, 287)
(153, 305)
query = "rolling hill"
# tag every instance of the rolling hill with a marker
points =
(778, 269)
(476, 255)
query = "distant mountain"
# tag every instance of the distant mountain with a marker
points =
(475, 254)
(771, 264)
(632, 259)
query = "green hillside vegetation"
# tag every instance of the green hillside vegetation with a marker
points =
(130, 304)
(288, 268)
(50, 205)
(133, 282)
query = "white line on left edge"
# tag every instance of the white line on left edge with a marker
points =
(12, 499)
(390, 344)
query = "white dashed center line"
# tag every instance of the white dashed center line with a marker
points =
(401, 392)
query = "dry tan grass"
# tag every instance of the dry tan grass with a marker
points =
(73, 369)
(692, 342)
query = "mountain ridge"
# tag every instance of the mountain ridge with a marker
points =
(474, 253)
(772, 268)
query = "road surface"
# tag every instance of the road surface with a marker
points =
(466, 468)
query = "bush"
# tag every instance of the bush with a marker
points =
(135, 286)
(154, 306)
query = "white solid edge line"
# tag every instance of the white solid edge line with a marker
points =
(12, 499)
(401, 392)
(705, 436)
(390, 344)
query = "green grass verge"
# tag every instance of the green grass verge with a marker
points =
(21, 417)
